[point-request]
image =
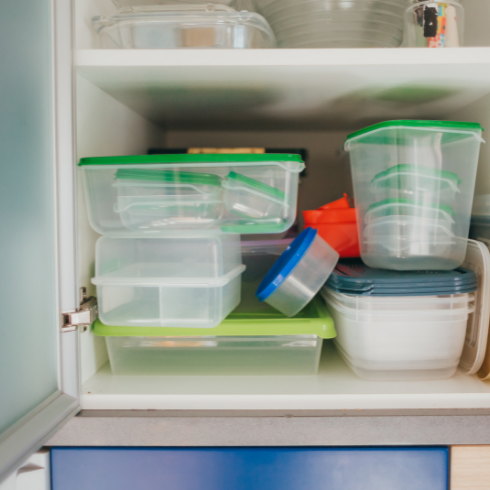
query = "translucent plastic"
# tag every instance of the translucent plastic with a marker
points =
(207, 27)
(185, 280)
(304, 282)
(215, 356)
(146, 205)
(334, 23)
(403, 345)
(431, 230)
(434, 24)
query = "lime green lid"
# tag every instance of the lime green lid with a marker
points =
(417, 170)
(258, 186)
(446, 209)
(207, 158)
(455, 130)
(168, 176)
(314, 319)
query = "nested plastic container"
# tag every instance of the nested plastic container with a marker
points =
(299, 273)
(406, 338)
(434, 24)
(152, 194)
(186, 280)
(433, 162)
(184, 26)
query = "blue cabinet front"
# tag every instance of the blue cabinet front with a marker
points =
(249, 469)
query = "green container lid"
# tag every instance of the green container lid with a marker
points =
(168, 176)
(314, 319)
(447, 209)
(211, 159)
(256, 185)
(449, 179)
(454, 130)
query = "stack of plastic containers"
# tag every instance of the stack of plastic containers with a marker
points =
(335, 23)
(169, 266)
(158, 24)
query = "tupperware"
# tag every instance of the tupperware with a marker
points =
(183, 26)
(383, 339)
(252, 343)
(298, 274)
(151, 194)
(438, 160)
(434, 24)
(337, 225)
(185, 280)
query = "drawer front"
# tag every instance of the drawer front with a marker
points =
(250, 469)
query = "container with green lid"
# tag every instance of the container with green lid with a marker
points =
(152, 194)
(418, 177)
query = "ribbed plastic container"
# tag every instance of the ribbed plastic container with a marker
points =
(151, 194)
(187, 280)
(334, 23)
(389, 339)
(183, 26)
(430, 168)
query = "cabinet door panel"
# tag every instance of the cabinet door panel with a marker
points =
(250, 469)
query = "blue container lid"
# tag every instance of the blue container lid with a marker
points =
(407, 292)
(286, 263)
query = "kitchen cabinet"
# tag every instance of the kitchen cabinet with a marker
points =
(64, 99)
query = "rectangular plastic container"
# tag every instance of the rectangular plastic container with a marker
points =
(413, 187)
(184, 26)
(245, 343)
(186, 280)
(151, 194)
(406, 338)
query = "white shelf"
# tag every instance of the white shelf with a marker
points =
(334, 388)
(288, 89)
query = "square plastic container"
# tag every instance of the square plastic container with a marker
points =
(187, 280)
(413, 198)
(407, 338)
(152, 194)
(184, 26)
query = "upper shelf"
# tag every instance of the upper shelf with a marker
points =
(289, 89)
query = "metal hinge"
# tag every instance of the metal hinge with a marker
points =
(83, 317)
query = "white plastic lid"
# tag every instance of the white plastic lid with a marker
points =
(478, 260)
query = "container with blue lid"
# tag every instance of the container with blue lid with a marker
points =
(298, 274)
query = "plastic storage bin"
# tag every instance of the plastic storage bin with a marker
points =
(336, 223)
(151, 194)
(184, 280)
(298, 275)
(434, 24)
(184, 26)
(251, 343)
(432, 162)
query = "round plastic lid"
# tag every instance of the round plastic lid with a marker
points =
(286, 263)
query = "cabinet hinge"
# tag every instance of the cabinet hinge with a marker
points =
(83, 317)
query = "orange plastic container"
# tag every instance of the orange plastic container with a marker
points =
(337, 224)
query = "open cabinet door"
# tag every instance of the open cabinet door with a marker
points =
(38, 363)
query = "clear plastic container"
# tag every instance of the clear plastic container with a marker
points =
(443, 146)
(152, 194)
(402, 343)
(152, 282)
(434, 24)
(184, 26)
(298, 275)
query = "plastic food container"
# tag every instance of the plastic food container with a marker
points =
(299, 273)
(337, 224)
(434, 24)
(383, 339)
(253, 344)
(184, 26)
(189, 280)
(152, 194)
(424, 160)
